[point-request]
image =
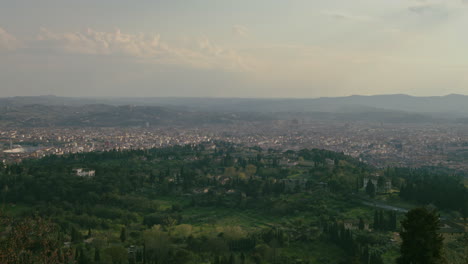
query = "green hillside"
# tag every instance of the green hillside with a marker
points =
(212, 203)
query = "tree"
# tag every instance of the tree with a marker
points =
(97, 255)
(123, 234)
(361, 224)
(32, 240)
(381, 184)
(250, 170)
(376, 258)
(4, 191)
(232, 259)
(392, 220)
(364, 257)
(382, 223)
(370, 189)
(376, 224)
(421, 242)
(117, 254)
(157, 245)
(82, 257)
(75, 235)
(230, 171)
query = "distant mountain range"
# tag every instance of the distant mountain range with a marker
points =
(451, 104)
(67, 111)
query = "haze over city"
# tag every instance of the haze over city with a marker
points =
(299, 48)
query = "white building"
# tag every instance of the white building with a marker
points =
(84, 173)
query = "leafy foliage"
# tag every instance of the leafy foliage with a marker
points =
(168, 206)
(421, 241)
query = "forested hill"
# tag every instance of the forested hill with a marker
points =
(454, 103)
(180, 169)
(209, 203)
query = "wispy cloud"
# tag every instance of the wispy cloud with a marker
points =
(146, 48)
(239, 30)
(8, 41)
(345, 16)
(422, 7)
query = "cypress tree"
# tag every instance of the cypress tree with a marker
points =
(376, 220)
(60, 255)
(242, 257)
(123, 234)
(370, 189)
(421, 242)
(361, 224)
(392, 221)
(382, 224)
(82, 257)
(365, 255)
(75, 235)
(144, 253)
(97, 255)
(376, 259)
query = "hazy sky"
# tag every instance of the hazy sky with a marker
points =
(242, 48)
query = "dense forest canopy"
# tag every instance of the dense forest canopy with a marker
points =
(216, 203)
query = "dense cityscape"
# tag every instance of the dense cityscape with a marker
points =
(404, 145)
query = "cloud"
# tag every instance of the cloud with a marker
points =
(145, 48)
(437, 7)
(8, 41)
(420, 9)
(239, 30)
(346, 16)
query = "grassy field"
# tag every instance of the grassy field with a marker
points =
(247, 219)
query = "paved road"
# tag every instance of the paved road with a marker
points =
(385, 206)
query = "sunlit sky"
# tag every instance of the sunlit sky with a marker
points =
(242, 48)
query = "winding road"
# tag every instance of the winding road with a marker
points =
(385, 206)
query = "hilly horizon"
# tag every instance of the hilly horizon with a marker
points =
(454, 104)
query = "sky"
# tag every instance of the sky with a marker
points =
(242, 48)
